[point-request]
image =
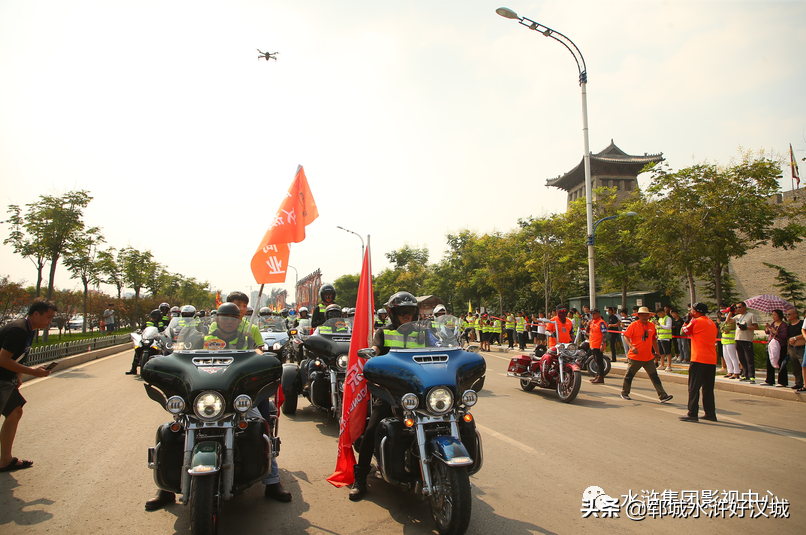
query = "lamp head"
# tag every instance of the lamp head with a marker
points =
(507, 13)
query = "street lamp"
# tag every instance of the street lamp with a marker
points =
(591, 241)
(359, 237)
(583, 81)
(296, 281)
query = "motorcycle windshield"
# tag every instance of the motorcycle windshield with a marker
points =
(271, 324)
(149, 333)
(446, 330)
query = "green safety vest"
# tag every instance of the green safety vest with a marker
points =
(242, 342)
(327, 329)
(663, 334)
(496, 326)
(729, 337)
(520, 324)
(392, 338)
(510, 322)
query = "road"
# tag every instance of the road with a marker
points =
(88, 428)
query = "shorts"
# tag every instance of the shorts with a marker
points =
(485, 337)
(665, 347)
(10, 397)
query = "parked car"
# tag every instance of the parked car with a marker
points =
(75, 323)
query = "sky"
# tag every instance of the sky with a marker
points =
(412, 119)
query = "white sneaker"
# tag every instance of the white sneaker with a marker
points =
(668, 368)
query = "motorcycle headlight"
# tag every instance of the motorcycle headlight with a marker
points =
(342, 361)
(571, 347)
(409, 401)
(439, 400)
(277, 346)
(175, 405)
(209, 405)
(469, 398)
(242, 403)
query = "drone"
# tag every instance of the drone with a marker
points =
(267, 55)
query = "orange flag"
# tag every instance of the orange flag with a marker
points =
(356, 395)
(270, 262)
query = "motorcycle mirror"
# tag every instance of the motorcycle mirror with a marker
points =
(474, 348)
(367, 353)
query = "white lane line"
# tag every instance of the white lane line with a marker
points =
(740, 422)
(498, 357)
(32, 382)
(511, 441)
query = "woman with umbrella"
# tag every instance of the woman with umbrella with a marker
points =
(778, 335)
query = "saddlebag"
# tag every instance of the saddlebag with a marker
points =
(398, 440)
(251, 453)
(320, 389)
(519, 366)
(169, 453)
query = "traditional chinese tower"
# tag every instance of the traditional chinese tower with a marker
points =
(611, 168)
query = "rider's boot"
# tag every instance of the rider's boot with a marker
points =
(359, 487)
(133, 371)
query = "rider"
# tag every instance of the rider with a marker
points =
(333, 311)
(566, 328)
(175, 312)
(228, 334)
(383, 318)
(165, 309)
(154, 321)
(403, 309)
(327, 294)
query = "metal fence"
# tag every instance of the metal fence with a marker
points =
(68, 349)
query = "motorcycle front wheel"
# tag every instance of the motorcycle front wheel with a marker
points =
(526, 385)
(594, 369)
(568, 389)
(204, 505)
(450, 498)
(145, 356)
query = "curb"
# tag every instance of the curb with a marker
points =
(728, 385)
(75, 360)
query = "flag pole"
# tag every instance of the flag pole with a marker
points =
(371, 315)
(254, 311)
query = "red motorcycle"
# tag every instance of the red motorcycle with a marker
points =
(557, 369)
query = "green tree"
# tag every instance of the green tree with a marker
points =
(81, 259)
(347, 290)
(13, 298)
(137, 268)
(110, 270)
(25, 245)
(791, 287)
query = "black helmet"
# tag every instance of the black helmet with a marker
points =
(402, 302)
(327, 289)
(229, 309)
(284, 312)
(333, 311)
(264, 311)
(156, 314)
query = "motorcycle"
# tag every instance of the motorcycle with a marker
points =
(556, 369)
(298, 335)
(148, 343)
(431, 444)
(323, 370)
(275, 334)
(587, 362)
(217, 445)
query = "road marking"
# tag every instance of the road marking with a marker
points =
(742, 422)
(511, 441)
(83, 365)
(496, 356)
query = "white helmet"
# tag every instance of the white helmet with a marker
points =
(188, 311)
(440, 309)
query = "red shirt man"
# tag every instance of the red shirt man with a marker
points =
(702, 371)
(641, 338)
(565, 326)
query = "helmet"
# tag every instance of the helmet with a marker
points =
(439, 309)
(292, 312)
(188, 311)
(351, 312)
(229, 309)
(327, 289)
(175, 312)
(382, 311)
(213, 313)
(333, 311)
(156, 314)
(264, 311)
(402, 302)
(202, 313)
(345, 311)
(284, 312)
(702, 308)
(164, 308)
(303, 309)
(250, 311)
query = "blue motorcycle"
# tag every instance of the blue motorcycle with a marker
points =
(431, 443)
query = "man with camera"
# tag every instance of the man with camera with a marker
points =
(746, 325)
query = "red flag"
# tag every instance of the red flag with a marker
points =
(793, 164)
(270, 262)
(354, 404)
(218, 298)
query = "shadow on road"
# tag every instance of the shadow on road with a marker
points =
(11, 507)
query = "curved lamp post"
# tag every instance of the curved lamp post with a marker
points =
(357, 234)
(583, 81)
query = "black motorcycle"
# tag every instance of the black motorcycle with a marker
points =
(148, 343)
(431, 444)
(587, 361)
(320, 376)
(218, 445)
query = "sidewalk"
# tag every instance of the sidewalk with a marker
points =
(619, 368)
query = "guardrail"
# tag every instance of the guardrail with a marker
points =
(47, 353)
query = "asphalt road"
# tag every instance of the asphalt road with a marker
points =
(88, 428)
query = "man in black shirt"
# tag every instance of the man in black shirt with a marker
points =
(15, 343)
(613, 324)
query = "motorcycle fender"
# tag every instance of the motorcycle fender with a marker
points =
(450, 451)
(291, 378)
(574, 366)
(206, 459)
